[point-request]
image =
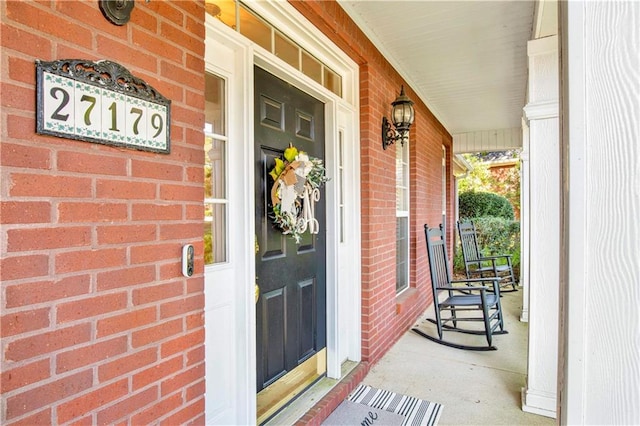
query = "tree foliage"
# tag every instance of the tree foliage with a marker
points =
(503, 181)
(481, 204)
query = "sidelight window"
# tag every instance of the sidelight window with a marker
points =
(402, 216)
(215, 171)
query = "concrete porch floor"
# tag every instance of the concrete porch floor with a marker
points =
(475, 388)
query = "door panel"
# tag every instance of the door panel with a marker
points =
(291, 309)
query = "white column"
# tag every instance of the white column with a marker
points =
(539, 395)
(600, 373)
(524, 222)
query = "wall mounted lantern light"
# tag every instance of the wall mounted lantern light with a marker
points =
(117, 12)
(402, 115)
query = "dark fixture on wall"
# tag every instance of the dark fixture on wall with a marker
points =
(402, 114)
(117, 11)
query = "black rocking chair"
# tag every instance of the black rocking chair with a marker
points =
(477, 265)
(471, 295)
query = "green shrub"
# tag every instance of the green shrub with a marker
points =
(481, 204)
(496, 235)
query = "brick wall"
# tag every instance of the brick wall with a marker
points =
(98, 324)
(384, 315)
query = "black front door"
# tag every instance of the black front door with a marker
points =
(291, 309)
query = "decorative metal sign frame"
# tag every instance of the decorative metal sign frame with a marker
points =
(101, 102)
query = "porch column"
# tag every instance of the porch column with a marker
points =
(539, 395)
(524, 221)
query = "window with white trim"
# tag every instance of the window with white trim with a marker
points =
(215, 171)
(402, 216)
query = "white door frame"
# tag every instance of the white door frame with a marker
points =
(232, 56)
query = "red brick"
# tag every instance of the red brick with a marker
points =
(25, 375)
(194, 212)
(92, 354)
(33, 239)
(195, 391)
(183, 379)
(187, 41)
(124, 53)
(195, 27)
(86, 308)
(81, 162)
(24, 321)
(155, 253)
(158, 410)
(92, 400)
(157, 373)
(184, 416)
(156, 212)
(17, 267)
(182, 343)
(196, 355)
(132, 403)
(145, 20)
(41, 418)
(25, 212)
(195, 9)
(84, 421)
(182, 193)
(45, 291)
(17, 97)
(27, 157)
(195, 63)
(48, 393)
(144, 295)
(156, 45)
(175, 231)
(32, 185)
(153, 170)
(195, 320)
(123, 189)
(25, 41)
(156, 333)
(48, 23)
(84, 260)
(167, 11)
(182, 306)
(83, 12)
(75, 212)
(126, 364)
(43, 343)
(127, 321)
(121, 234)
(126, 277)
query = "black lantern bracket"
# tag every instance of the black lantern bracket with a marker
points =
(402, 115)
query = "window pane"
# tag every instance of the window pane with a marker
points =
(287, 51)
(214, 112)
(215, 241)
(402, 253)
(402, 177)
(332, 81)
(255, 29)
(311, 67)
(224, 10)
(214, 168)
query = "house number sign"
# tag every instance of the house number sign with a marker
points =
(101, 102)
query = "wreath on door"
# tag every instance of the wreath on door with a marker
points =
(297, 179)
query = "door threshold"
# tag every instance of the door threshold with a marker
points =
(305, 402)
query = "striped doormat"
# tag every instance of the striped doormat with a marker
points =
(415, 411)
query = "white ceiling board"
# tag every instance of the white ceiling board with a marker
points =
(467, 60)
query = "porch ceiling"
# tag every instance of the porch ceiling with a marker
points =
(467, 60)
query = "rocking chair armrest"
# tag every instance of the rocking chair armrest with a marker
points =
(494, 280)
(476, 280)
(463, 289)
(495, 257)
